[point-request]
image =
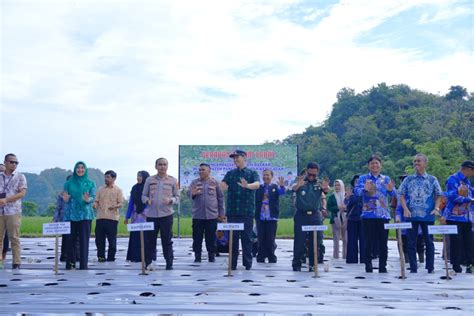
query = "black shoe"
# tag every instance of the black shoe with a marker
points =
(70, 266)
(16, 266)
(248, 268)
(296, 269)
(368, 268)
(430, 271)
(260, 260)
(413, 271)
(101, 259)
(310, 269)
(382, 270)
(111, 260)
(211, 257)
(169, 266)
(457, 269)
(197, 257)
(469, 269)
(272, 261)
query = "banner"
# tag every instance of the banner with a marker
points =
(281, 159)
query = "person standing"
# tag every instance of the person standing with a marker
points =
(338, 220)
(207, 207)
(79, 194)
(135, 215)
(160, 193)
(310, 203)
(241, 184)
(108, 202)
(267, 211)
(6, 241)
(374, 188)
(460, 200)
(355, 236)
(420, 196)
(12, 189)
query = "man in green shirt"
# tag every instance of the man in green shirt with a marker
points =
(241, 184)
(310, 201)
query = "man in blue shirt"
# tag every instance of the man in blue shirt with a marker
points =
(374, 188)
(460, 200)
(420, 196)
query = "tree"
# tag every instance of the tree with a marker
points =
(29, 209)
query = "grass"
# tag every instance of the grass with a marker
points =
(33, 227)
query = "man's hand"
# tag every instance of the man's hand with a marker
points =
(369, 186)
(397, 219)
(167, 201)
(435, 212)
(406, 213)
(281, 181)
(442, 220)
(390, 186)
(222, 219)
(243, 183)
(3, 202)
(224, 186)
(65, 197)
(325, 184)
(195, 190)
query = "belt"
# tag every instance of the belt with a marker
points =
(309, 212)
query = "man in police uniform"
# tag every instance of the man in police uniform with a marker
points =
(310, 203)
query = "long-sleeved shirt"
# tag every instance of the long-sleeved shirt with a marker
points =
(458, 207)
(375, 206)
(106, 198)
(58, 215)
(209, 204)
(157, 189)
(80, 210)
(420, 192)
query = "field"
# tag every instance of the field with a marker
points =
(32, 227)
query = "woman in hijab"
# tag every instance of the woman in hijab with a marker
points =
(135, 215)
(337, 208)
(79, 194)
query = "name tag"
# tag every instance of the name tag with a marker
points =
(140, 226)
(398, 226)
(56, 228)
(230, 226)
(310, 228)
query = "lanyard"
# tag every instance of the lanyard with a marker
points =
(5, 184)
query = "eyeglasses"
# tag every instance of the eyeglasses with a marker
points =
(312, 174)
(417, 160)
(14, 162)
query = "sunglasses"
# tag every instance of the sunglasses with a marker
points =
(13, 162)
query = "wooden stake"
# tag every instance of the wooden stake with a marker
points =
(56, 255)
(446, 257)
(231, 241)
(402, 254)
(142, 251)
(315, 254)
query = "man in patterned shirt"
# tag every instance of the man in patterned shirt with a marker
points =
(420, 195)
(12, 190)
(241, 184)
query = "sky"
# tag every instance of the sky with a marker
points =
(118, 84)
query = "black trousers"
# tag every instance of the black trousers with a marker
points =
(461, 244)
(246, 239)
(413, 244)
(80, 230)
(299, 246)
(207, 228)
(375, 232)
(266, 233)
(163, 226)
(106, 229)
(355, 242)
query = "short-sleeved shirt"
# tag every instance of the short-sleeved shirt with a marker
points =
(12, 185)
(458, 207)
(420, 192)
(240, 201)
(107, 197)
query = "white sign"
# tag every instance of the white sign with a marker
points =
(443, 229)
(398, 226)
(230, 226)
(140, 226)
(58, 228)
(311, 228)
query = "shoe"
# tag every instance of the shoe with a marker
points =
(101, 259)
(260, 260)
(368, 268)
(272, 261)
(296, 269)
(70, 266)
(430, 271)
(197, 257)
(169, 266)
(248, 268)
(149, 267)
(16, 266)
(383, 270)
(469, 269)
(310, 269)
(457, 269)
(211, 257)
(413, 271)
(111, 260)
(197, 260)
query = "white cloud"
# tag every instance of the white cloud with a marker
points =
(119, 84)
